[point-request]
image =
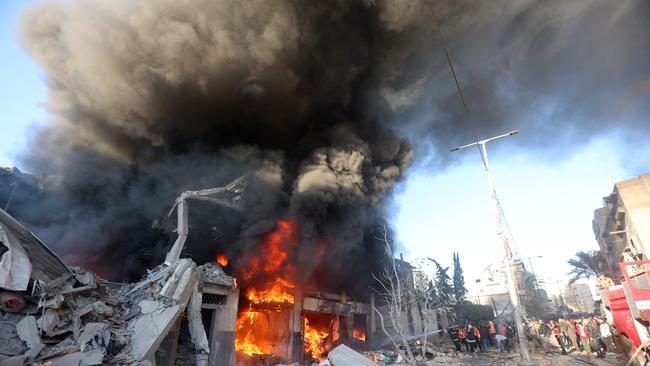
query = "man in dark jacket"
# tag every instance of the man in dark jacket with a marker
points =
(471, 338)
(453, 334)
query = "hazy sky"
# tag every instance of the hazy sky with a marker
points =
(548, 204)
(548, 200)
(22, 89)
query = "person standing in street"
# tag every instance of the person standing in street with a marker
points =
(572, 336)
(484, 331)
(577, 337)
(453, 334)
(510, 337)
(564, 328)
(462, 335)
(606, 335)
(471, 338)
(557, 333)
(501, 341)
(595, 338)
(493, 332)
(583, 332)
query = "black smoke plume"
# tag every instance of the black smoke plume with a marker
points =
(151, 98)
(321, 100)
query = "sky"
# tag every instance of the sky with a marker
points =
(548, 200)
(548, 205)
(22, 90)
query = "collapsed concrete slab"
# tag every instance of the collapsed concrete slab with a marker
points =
(52, 314)
(71, 316)
(43, 264)
(346, 356)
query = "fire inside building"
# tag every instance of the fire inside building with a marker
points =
(206, 93)
(251, 310)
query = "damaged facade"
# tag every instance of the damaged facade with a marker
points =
(620, 225)
(58, 315)
(178, 314)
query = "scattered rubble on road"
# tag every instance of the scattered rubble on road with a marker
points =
(438, 352)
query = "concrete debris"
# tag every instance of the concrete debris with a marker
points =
(214, 274)
(14, 361)
(28, 332)
(15, 266)
(147, 334)
(78, 358)
(48, 321)
(197, 331)
(94, 336)
(10, 342)
(346, 356)
(69, 316)
(42, 264)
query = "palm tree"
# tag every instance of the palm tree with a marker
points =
(586, 265)
(531, 281)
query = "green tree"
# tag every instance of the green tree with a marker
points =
(444, 288)
(459, 281)
(586, 265)
(474, 312)
(535, 303)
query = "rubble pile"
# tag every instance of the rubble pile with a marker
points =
(437, 353)
(80, 319)
(55, 315)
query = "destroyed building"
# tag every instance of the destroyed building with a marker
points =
(620, 225)
(179, 313)
(303, 117)
(61, 315)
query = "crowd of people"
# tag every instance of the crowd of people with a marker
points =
(480, 336)
(587, 335)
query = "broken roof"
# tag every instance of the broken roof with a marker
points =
(45, 264)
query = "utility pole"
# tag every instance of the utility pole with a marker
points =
(512, 288)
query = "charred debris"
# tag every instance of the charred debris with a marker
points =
(180, 313)
(53, 314)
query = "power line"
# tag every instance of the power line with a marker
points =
(453, 73)
(451, 66)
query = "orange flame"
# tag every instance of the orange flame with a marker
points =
(267, 279)
(221, 259)
(314, 341)
(245, 340)
(359, 334)
(275, 294)
(273, 264)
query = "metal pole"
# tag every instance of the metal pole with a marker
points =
(512, 288)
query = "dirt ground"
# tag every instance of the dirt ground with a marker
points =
(495, 358)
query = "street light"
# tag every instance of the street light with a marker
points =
(512, 289)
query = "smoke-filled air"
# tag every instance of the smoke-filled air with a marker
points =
(325, 104)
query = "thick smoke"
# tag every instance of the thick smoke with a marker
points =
(150, 98)
(562, 72)
(321, 100)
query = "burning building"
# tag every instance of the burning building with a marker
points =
(152, 98)
(267, 313)
(276, 315)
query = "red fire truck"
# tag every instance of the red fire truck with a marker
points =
(627, 308)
